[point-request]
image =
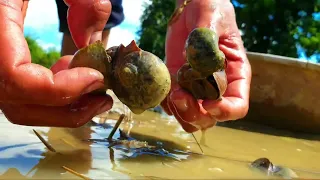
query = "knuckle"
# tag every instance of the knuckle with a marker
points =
(226, 114)
(244, 111)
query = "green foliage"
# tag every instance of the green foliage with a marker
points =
(277, 26)
(268, 26)
(154, 26)
(41, 56)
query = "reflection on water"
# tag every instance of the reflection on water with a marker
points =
(156, 147)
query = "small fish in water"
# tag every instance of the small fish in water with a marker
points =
(265, 165)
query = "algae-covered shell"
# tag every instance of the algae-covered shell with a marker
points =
(138, 78)
(93, 56)
(141, 79)
(203, 53)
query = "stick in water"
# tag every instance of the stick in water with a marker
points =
(75, 173)
(44, 141)
(197, 142)
(116, 126)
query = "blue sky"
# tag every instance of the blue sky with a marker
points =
(43, 23)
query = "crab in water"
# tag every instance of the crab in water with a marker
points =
(138, 78)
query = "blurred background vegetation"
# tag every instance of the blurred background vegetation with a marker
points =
(282, 27)
(41, 56)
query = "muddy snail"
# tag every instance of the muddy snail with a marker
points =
(266, 166)
(138, 78)
(204, 73)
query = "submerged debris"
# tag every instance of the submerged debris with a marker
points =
(116, 126)
(132, 144)
(75, 173)
(266, 166)
(197, 143)
(44, 141)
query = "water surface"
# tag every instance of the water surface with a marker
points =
(227, 151)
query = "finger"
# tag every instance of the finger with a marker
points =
(62, 64)
(189, 110)
(165, 107)
(24, 82)
(87, 17)
(185, 125)
(235, 103)
(72, 116)
(174, 86)
(229, 108)
(24, 8)
(59, 89)
(96, 36)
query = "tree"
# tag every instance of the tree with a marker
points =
(39, 55)
(282, 27)
(279, 26)
(154, 26)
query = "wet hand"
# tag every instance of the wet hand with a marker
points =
(33, 95)
(194, 114)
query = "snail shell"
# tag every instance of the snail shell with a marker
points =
(94, 56)
(203, 53)
(138, 78)
(211, 87)
(141, 79)
(204, 73)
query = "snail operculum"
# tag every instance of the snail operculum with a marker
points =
(207, 65)
(124, 68)
(200, 87)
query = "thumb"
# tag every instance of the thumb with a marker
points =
(75, 82)
(86, 17)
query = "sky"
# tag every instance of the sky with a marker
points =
(43, 23)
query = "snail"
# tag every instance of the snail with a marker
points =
(265, 165)
(138, 78)
(204, 73)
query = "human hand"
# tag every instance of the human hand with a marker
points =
(194, 114)
(86, 20)
(36, 96)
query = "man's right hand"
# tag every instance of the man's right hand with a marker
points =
(33, 95)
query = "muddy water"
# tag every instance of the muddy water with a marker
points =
(227, 151)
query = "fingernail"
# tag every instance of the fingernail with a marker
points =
(181, 104)
(215, 111)
(104, 107)
(94, 86)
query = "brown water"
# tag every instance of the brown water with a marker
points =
(227, 151)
